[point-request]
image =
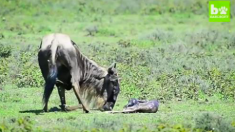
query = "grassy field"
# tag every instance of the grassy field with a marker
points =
(21, 111)
(166, 50)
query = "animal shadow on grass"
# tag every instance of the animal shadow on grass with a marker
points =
(40, 112)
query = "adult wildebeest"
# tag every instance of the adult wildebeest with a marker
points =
(63, 65)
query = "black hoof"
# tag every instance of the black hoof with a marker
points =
(45, 110)
(64, 108)
(85, 111)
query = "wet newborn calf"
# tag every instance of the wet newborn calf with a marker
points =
(142, 106)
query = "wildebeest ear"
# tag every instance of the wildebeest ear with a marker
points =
(112, 68)
(113, 65)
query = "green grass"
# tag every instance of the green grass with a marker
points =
(26, 103)
(166, 50)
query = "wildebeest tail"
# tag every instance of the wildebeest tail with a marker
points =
(52, 75)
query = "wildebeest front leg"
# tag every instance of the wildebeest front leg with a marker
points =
(76, 88)
(75, 78)
(76, 91)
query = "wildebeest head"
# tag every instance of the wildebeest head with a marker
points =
(112, 86)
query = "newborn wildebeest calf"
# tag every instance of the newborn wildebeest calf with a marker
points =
(63, 65)
(142, 106)
(139, 106)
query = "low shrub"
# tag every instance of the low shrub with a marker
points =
(29, 74)
(5, 50)
(3, 70)
(20, 124)
(213, 122)
(21, 68)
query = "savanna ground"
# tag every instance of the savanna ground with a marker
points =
(165, 50)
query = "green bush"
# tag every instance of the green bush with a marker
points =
(21, 124)
(213, 122)
(178, 70)
(21, 68)
(5, 50)
(175, 71)
(3, 70)
(29, 72)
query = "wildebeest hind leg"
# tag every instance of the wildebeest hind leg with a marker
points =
(63, 105)
(43, 64)
(61, 92)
